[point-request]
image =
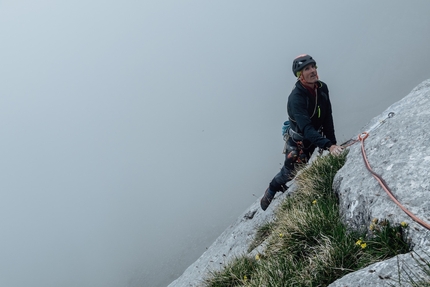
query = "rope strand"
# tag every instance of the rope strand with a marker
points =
(384, 185)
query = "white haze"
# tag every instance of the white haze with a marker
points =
(134, 132)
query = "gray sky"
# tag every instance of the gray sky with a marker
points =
(135, 132)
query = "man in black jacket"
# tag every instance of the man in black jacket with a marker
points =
(311, 124)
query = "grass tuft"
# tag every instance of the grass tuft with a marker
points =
(236, 273)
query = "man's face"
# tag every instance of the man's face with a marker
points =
(309, 74)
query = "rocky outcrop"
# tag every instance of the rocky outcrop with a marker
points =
(398, 150)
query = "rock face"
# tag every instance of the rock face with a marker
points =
(398, 149)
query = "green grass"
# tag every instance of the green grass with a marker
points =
(308, 245)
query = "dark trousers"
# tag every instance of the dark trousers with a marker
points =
(292, 155)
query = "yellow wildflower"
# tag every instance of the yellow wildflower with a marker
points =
(363, 245)
(359, 241)
(245, 278)
(257, 256)
(314, 202)
(281, 234)
(404, 224)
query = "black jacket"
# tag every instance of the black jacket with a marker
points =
(312, 117)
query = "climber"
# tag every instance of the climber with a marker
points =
(311, 124)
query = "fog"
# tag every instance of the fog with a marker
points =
(134, 132)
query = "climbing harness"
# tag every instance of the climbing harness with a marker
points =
(296, 153)
(383, 184)
(301, 156)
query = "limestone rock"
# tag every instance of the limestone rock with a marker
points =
(397, 149)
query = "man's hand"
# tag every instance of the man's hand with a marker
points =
(336, 149)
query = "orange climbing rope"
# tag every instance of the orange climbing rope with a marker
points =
(361, 138)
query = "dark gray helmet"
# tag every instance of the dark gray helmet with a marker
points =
(300, 62)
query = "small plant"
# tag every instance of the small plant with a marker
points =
(386, 241)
